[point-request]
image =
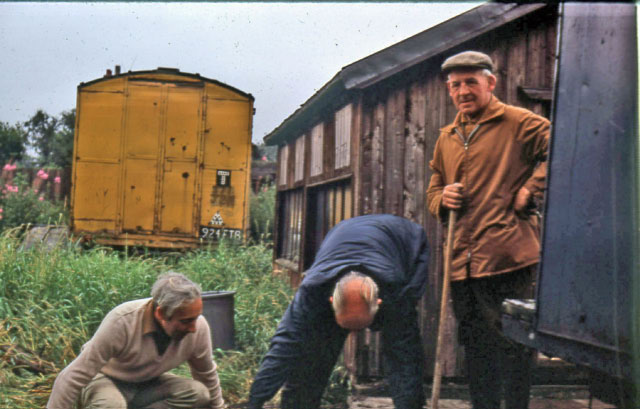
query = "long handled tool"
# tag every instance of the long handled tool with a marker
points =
(437, 372)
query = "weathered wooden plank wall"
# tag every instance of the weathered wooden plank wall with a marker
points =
(394, 135)
(377, 162)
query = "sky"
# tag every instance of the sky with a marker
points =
(281, 53)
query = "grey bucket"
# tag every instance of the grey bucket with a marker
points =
(217, 308)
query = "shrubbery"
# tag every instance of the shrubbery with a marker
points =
(262, 213)
(21, 203)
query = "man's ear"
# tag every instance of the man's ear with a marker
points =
(492, 80)
(158, 313)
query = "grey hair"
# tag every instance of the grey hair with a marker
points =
(171, 290)
(368, 291)
(484, 71)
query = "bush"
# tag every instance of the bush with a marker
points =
(262, 211)
(22, 204)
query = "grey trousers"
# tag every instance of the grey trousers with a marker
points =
(167, 391)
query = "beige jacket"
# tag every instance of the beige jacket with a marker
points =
(505, 150)
(123, 348)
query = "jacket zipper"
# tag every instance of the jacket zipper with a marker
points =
(465, 142)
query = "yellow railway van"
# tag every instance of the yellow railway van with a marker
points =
(161, 159)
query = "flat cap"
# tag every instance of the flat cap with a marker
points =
(467, 59)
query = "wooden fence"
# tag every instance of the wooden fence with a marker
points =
(52, 184)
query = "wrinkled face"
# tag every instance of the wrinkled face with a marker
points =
(183, 320)
(471, 91)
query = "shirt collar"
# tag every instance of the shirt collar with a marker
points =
(495, 109)
(149, 323)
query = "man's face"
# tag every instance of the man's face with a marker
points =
(471, 91)
(183, 320)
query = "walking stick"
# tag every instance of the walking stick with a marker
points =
(437, 372)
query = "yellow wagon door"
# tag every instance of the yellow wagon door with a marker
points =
(180, 170)
(142, 135)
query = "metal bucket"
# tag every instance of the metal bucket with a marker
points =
(217, 308)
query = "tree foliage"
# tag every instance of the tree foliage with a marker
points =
(12, 143)
(52, 138)
(263, 152)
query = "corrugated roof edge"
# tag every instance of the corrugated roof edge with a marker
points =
(172, 71)
(397, 57)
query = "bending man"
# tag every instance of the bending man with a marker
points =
(370, 271)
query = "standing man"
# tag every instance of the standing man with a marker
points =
(125, 364)
(489, 166)
(369, 272)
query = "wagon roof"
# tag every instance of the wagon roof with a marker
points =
(398, 57)
(169, 71)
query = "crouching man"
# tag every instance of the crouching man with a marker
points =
(125, 364)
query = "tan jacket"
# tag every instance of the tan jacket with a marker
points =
(505, 150)
(123, 348)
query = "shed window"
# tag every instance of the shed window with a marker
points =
(290, 225)
(327, 205)
(299, 168)
(284, 159)
(317, 143)
(343, 137)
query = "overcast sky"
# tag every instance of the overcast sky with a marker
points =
(282, 53)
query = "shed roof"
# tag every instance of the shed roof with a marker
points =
(398, 57)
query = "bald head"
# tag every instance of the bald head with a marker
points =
(355, 301)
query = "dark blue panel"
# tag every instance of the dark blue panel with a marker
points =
(589, 237)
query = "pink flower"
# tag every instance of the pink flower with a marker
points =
(264, 157)
(1, 210)
(42, 174)
(13, 189)
(35, 190)
(41, 198)
(56, 179)
(9, 167)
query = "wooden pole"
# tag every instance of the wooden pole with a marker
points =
(437, 372)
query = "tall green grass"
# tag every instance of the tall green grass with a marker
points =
(262, 211)
(52, 302)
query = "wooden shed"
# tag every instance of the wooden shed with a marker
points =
(363, 142)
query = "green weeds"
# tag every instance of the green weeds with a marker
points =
(52, 302)
(262, 211)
